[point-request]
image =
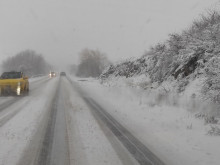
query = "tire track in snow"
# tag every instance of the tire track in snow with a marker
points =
(137, 149)
(46, 147)
(8, 103)
(48, 143)
(11, 101)
(7, 116)
(10, 114)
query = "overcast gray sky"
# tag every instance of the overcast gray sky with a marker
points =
(60, 29)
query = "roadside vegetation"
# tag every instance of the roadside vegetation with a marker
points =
(172, 66)
(28, 61)
(92, 63)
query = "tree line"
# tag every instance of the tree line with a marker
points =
(27, 61)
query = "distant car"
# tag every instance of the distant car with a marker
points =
(62, 74)
(52, 74)
(13, 83)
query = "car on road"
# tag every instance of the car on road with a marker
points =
(52, 74)
(62, 74)
(13, 83)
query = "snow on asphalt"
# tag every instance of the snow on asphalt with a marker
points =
(17, 133)
(171, 132)
(90, 144)
(4, 99)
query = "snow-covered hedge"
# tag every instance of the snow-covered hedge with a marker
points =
(193, 54)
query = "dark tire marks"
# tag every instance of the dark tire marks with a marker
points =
(136, 148)
(46, 147)
(139, 151)
(8, 103)
(11, 114)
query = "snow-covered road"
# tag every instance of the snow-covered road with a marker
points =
(172, 131)
(69, 121)
(54, 125)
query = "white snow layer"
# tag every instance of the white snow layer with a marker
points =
(17, 133)
(165, 124)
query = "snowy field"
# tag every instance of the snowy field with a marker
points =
(169, 128)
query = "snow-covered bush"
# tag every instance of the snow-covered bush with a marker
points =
(211, 87)
(215, 131)
(184, 57)
(210, 120)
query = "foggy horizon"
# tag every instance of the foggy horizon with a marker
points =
(59, 30)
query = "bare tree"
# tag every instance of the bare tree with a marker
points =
(92, 63)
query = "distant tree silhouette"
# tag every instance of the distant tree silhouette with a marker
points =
(92, 63)
(28, 61)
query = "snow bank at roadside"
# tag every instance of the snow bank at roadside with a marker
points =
(165, 123)
(171, 92)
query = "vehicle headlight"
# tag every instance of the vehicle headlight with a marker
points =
(18, 91)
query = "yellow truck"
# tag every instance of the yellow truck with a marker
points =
(13, 83)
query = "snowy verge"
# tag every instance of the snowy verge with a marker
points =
(164, 123)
